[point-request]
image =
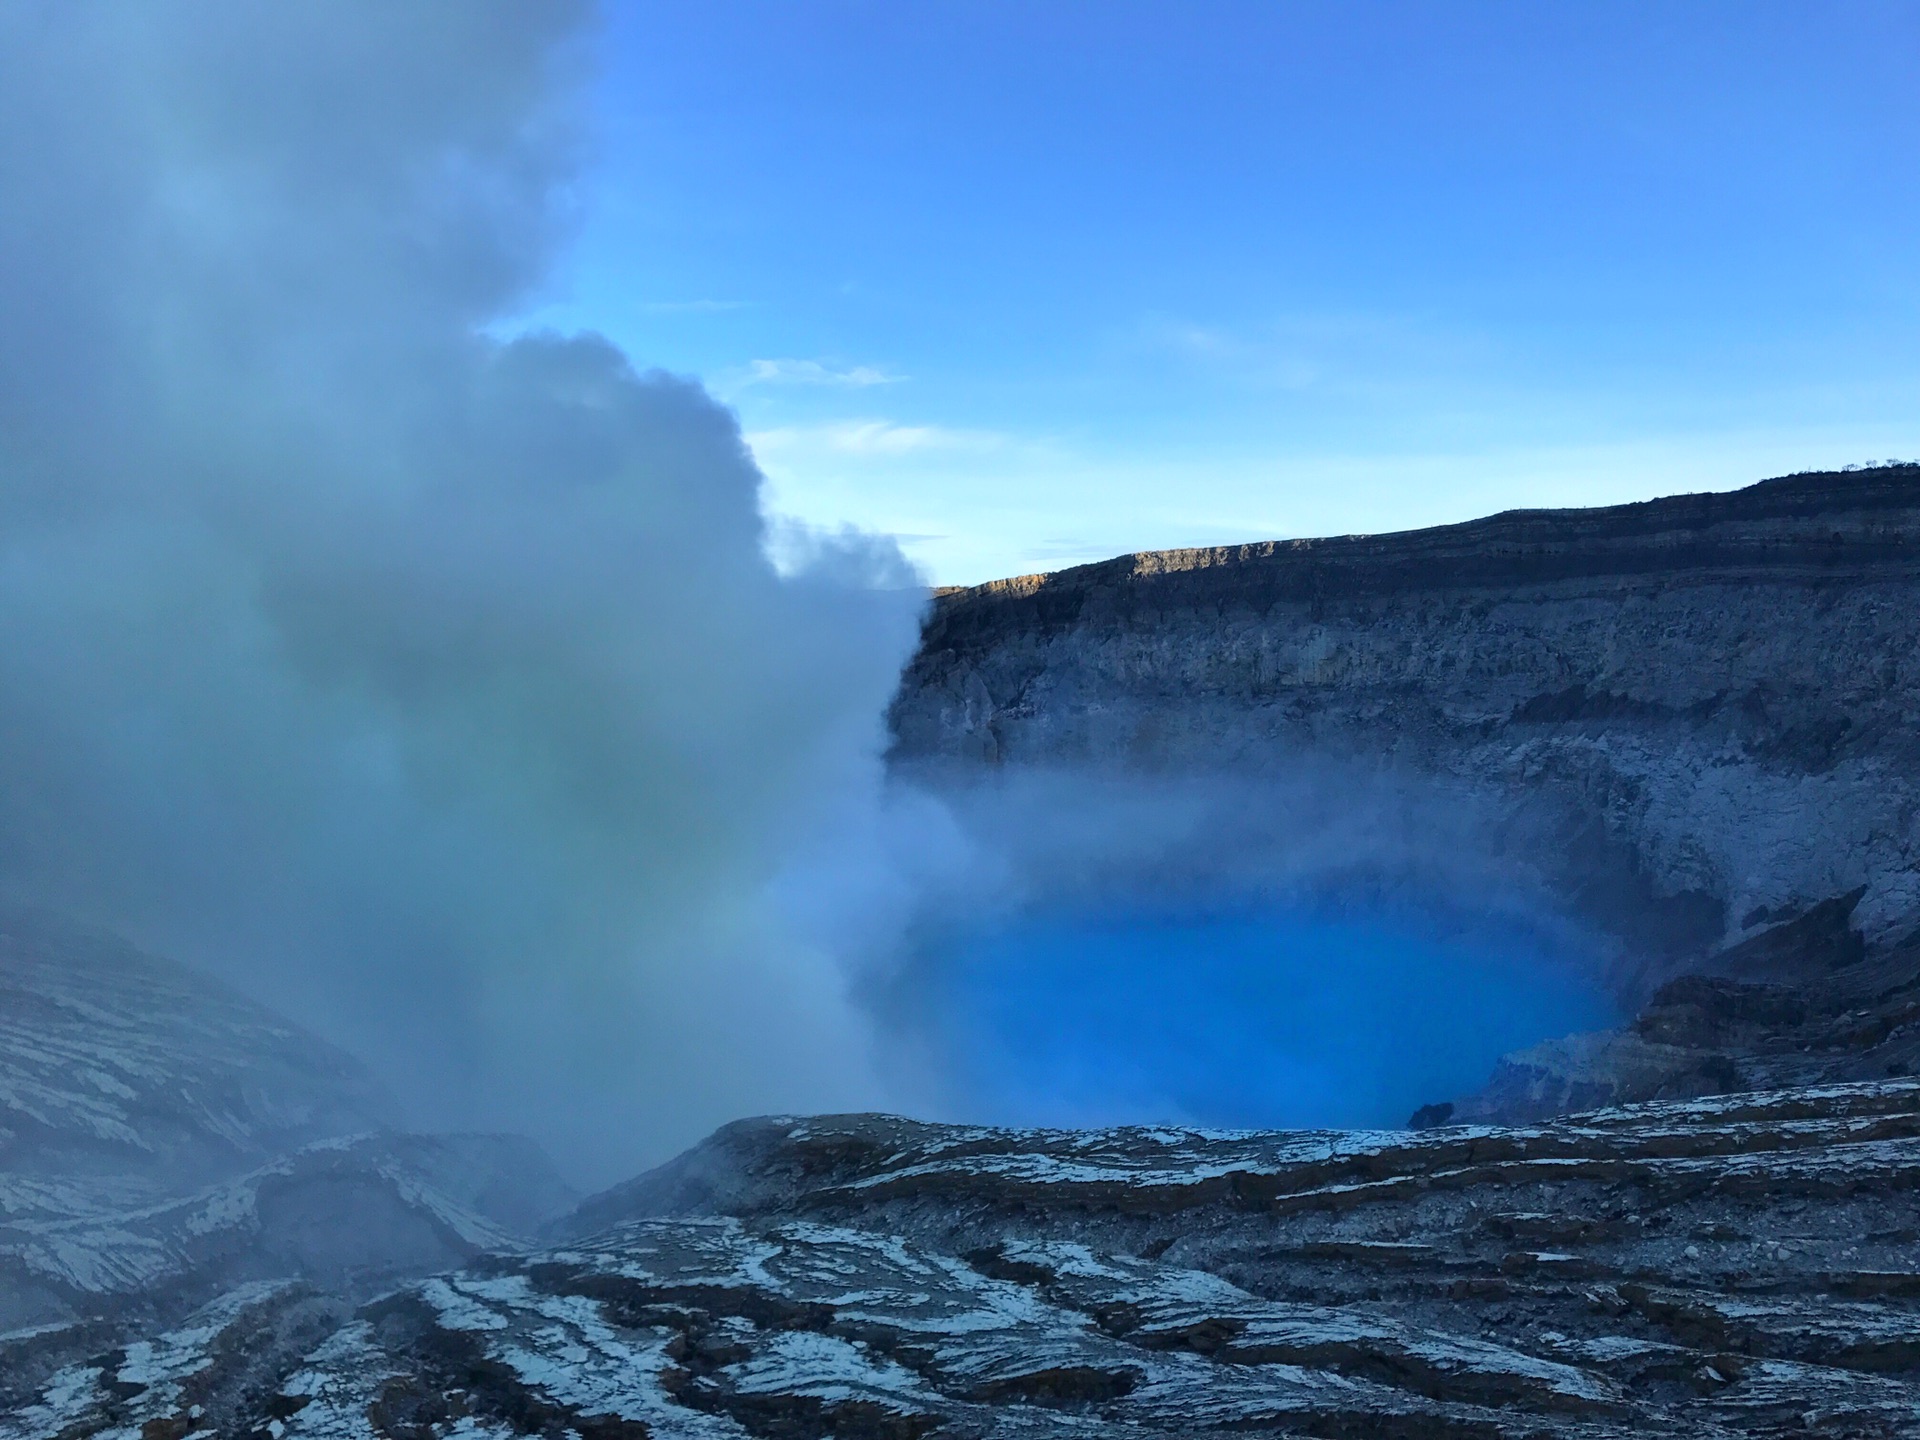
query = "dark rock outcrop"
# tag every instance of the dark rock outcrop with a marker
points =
(137, 1071)
(1803, 1002)
(1718, 1268)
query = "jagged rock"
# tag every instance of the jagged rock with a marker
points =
(344, 1214)
(132, 1071)
(1798, 947)
(1734, 1266)
(219, 1373)
(1582, 1072)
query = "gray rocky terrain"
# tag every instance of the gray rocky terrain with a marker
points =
(1732, 1267)
(125, 1069)
(1804, 1001)
(163, 1139)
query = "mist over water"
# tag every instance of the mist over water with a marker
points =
(1277, 1017)
(431, 680)
(1312, 942)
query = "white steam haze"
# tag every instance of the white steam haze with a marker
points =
(437, 688)
(433, 686)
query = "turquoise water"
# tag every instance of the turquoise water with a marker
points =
(1275, 1018)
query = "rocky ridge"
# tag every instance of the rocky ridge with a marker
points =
(163, 1139)
(1731, 1267)
(1694, 715)
(1802, 1002)
(127, 1069)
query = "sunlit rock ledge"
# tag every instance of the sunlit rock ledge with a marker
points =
(1705, 709)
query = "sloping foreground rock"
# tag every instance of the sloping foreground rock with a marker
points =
(1693, 716)
(344, 1214)
(1734, 1267)
(121, 1066)
(163, 1139)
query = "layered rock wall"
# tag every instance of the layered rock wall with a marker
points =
(1711, 702)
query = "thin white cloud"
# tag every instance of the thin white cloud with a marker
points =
(691, 307)
(816, 372)
(870, 439)
(1347, 353)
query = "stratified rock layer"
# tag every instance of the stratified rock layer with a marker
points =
(1734, 1267)
(1710, 702)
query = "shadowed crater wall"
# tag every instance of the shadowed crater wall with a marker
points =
(1690, 717)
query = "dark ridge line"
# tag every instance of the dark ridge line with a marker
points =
(1698, 537)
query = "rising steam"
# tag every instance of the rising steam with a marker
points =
(431, 685)
(437, 687)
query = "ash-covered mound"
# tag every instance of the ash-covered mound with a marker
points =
(1739, 1266)
(120, 1066)
(163, 1139)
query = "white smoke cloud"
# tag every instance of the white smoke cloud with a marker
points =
(435, 686)
(439, 687)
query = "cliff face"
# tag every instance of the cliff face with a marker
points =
(1706, 708)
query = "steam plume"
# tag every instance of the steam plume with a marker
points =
(433, 685)
(436, 686)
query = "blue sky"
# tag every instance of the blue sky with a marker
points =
(1031, 284)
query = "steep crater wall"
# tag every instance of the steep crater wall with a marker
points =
(1701, 713)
